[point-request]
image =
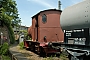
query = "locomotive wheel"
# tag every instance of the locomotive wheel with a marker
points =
(38, 50)
(42, 52)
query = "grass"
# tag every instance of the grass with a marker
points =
(5, 57)
(62, 57)
(21, 45)
(50, 58)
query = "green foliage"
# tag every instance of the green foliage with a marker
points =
(11, 34)
(9, 16)
(28, 38)
(5, 57)
(25, 33)
(4, 49)
(50, 58)
(63, 56)
(9, 10)
(21, 45)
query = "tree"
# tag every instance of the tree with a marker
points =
(24, 32)
(9, 11)
(0, 10)
(9, 16)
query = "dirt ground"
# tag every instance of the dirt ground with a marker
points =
(33, 56)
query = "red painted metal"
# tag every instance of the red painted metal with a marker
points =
(26, 44)
(51, 30)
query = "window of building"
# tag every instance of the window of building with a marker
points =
(44, 18)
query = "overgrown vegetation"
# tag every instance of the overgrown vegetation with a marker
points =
(21, 45)
(50, 58)
(5, 57)
(9, 16)
(62, 57)
(25, 33)
(11, 34)
(4, 49)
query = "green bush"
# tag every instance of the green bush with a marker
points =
(63, 56)
(50, 58)
(21, 45)
(11, 34)
(4, 49)
(5, 57)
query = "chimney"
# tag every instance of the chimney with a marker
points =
(59, 4)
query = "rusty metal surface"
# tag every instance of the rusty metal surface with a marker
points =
(51, 30)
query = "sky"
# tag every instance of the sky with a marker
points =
(28, 8)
